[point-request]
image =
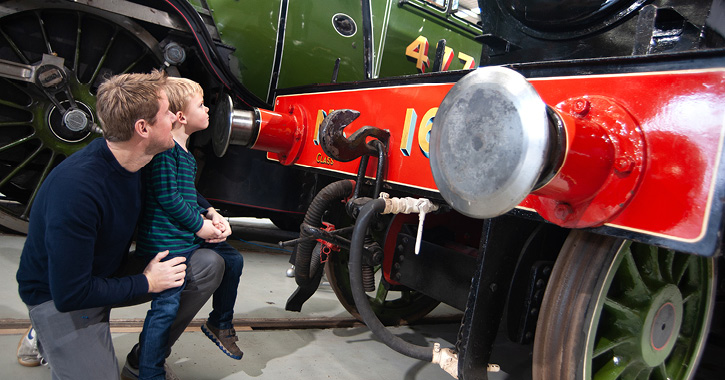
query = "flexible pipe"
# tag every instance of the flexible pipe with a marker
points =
(305, 266)
(367, 314)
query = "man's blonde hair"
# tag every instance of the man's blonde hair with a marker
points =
(180, 91)
(123, 99)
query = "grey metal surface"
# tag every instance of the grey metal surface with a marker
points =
(489, 142)
(231, 126)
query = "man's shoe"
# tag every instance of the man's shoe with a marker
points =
(28, 354)
(225, 339)
(130, 369)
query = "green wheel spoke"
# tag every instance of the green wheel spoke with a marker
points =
(41, 24)
(104, 56)
(660, 372)
(134, 63)
(680, 267)
(77, 52)
(46, 170)
(668, 263)
(17, 142)
(611, 370)
(604, 345)
(692, 294)
(14, 47)
(22, 165)
(15, 123)
(13, 105)
(630, 271)
(623, 313)
(644, 373)
(649, 265)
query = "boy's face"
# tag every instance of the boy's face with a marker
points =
(196, 114)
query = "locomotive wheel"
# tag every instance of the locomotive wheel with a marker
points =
(391, 307)
(620, 310)
(35, 137)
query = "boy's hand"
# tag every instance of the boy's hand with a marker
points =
(165, 275)
(208, 231)
(221, 223)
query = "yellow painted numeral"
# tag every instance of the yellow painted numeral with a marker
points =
(418, 50)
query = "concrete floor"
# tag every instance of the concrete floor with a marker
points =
(328, 353)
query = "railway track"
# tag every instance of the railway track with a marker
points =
(13, 326)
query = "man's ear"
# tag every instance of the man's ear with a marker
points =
(141, 126)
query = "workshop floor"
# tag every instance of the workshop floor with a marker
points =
(276, 349)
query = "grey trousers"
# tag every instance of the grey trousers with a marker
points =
(77, 344)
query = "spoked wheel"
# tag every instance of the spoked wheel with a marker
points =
(47, 120)
(620, 310)
(391, 307)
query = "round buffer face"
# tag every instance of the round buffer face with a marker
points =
(489, 142)
(222, 125)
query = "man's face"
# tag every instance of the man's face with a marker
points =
(160, 138)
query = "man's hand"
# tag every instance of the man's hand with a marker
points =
(165, 275)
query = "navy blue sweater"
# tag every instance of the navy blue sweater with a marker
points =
(81, 226)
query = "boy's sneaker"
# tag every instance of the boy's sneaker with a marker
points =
(130, 369)
(27, 353)
(225, 339)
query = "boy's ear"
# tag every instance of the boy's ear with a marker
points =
(141, 126)
(180, 117)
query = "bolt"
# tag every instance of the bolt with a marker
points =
(538, 295)
(291, 109)
(563, 211)
(398, 276)
(493, 287)
(540, 283)
(581, 106)
(400, 248)
(624, 164)
(534, 311)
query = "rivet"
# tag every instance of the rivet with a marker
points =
(624, 164)
(581, 106)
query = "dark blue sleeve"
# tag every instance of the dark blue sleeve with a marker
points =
(70, 240)
(203, 203)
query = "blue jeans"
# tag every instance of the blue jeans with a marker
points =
(153, 343)
(226, 294)
(154, 340)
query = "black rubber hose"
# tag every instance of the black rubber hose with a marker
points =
(367, 314)
(305, 267)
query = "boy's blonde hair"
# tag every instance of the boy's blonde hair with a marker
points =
(123, 99)
(180, 91)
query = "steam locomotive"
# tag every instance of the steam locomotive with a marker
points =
(552, 167)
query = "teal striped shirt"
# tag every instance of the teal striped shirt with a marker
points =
(172, 213)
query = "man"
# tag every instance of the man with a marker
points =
(75, 264)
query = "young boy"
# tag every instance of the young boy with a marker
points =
(177, 218)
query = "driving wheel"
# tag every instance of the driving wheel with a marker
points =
(616, 309)
(74, 48)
